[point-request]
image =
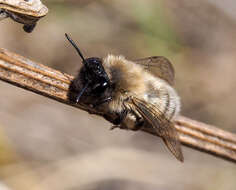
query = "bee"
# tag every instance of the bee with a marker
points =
(140, 93)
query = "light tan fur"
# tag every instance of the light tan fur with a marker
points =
(132, 79)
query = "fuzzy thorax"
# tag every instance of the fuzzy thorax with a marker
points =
(126, 77)
(131, 79)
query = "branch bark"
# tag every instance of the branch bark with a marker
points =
(54, 84)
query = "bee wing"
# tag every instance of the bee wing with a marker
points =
(164, 128)
(158, 66)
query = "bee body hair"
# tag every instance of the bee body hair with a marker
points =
(131, 79)
(130, 94)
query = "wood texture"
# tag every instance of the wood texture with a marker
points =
(54, 84)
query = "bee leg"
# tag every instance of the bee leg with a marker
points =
(115, 119)
(139, 124)
(118, 121)
(100, 102)
(118, 126)
(139, 121)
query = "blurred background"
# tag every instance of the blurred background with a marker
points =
(48, 145)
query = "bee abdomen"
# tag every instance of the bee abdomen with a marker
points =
(172, 104)
(165, 99)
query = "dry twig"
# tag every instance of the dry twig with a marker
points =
(48, 82)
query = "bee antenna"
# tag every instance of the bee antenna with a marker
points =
(76, 47)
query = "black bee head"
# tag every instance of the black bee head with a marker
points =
(92, 80)
(93, 75)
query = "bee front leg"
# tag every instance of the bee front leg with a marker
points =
(100, 102)
(130, 120)
(134, 121)
(127, 119)
(119, 120)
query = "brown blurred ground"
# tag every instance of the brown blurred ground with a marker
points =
(70, 149)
